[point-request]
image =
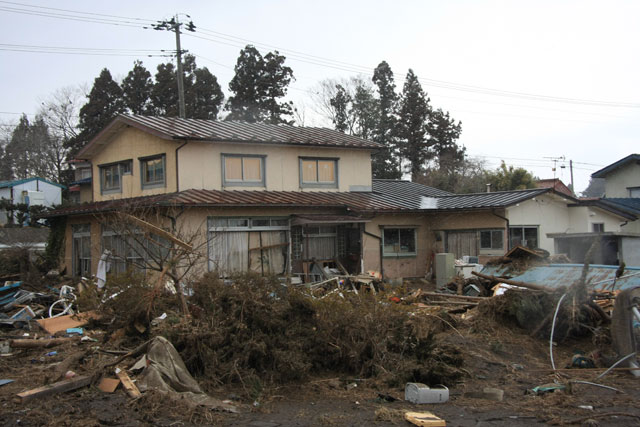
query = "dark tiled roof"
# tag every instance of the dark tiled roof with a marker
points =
(624, 203)
(220, 131)
(405, 193)
(416, 198)
(602, 173)
(496, 199)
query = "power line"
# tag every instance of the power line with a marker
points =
(313, 59)
(83, 50)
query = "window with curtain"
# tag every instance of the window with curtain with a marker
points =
(243, 170)
(317, 172)
(153, 170)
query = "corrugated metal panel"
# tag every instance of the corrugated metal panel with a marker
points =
(556, 275)
(488, 200)
(214, 130)
(405, 193)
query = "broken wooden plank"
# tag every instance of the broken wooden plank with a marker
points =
(532, 286)
(109, 385)
(452, 296)
(156, 230)
(62, 323)
(424, 419)
(128, 385)
(55, 388)
(46, 343)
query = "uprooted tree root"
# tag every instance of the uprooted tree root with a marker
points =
(533, 312)
(256, 332)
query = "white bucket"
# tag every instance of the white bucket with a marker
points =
(420, 393)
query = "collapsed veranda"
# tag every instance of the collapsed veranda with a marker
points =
(279, 199)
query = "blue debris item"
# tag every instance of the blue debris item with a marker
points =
(51, 353)
(557, 275)
(3, 382)
(11, 286)
(72, 331)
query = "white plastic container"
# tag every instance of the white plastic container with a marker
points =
(421, 393)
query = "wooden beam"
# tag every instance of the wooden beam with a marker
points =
(531, 286)
(55, 388)
(155, 230)
(261, 248)
(46, 343)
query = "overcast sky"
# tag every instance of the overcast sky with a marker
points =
(529, 80)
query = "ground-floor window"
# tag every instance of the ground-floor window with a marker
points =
(241, 244)
(81, 249)
(134, 249)
(523, 236)
(492, 239)
(399, 241)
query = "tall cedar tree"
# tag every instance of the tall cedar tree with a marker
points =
(340, 103)
(258, 84)
(364, 110)
(443, 136)
(203, 95)
(105, 102)
(28, 152)
(414, 111)
(164, 95)
(385, 162)
(136, 89)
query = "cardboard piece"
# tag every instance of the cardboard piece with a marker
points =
(62, 323)
(108, 385)
(424, 419)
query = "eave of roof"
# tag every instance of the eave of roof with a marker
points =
(613, 166)
(9, 184)
(176, 129)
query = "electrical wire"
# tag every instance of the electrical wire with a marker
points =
(235, 41)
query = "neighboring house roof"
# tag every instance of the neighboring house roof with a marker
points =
(388, 196)
(23, 236)
(494, 199)
(174, 128)
(556, 184)
(405, 193)
(9, 184)
(602, 173)
(627, 204)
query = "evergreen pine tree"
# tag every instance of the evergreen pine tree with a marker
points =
(385, 162)
(443, 134)
(105, 102)
(364, 110)
(204, 96)
(414, 111)
(258, 84)
(136, 89)
(164, 95)
(340, 103)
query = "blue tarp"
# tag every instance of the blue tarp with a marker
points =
(556, 275)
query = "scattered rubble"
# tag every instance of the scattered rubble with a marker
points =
(481, 340)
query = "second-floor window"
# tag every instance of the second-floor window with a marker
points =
(152, 171)
(111, 176)
(245, 170)
(318, 172)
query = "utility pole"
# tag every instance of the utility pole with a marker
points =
(571, 171)
(181, 108)
(174, 25)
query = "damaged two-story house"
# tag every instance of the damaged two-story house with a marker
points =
(287, 200)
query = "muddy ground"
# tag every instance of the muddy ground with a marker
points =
(496, 355)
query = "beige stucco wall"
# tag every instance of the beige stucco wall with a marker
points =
(582, 219)
(480, 220)
(618, 181)
(402, 266)
(200, 166)
(86, 193)
(131, 144)
(549, 212)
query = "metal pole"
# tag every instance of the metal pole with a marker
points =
(573, 189)
(181, 108)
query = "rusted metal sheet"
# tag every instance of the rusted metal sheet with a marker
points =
(222, 131)
(557, 275)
